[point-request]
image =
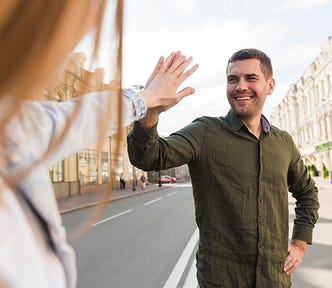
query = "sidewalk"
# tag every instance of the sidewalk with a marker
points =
(68, 204)
(323, 184)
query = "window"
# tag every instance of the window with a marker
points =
(117, 166)
(87, 166)
(104, 167)
(56, 172)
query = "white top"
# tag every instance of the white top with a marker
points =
(26, 259)
(23, 238)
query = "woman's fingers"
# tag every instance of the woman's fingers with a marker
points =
(155, 72)
(184, 75)
(177, 63)
(185, 92)
(168, 62)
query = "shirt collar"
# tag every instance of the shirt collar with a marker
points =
(236, 123)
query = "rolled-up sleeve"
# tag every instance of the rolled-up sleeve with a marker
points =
(304, 190)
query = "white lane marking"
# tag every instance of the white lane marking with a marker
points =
(170, 194)
(112, 217)
(152, 201)
(175, 277)
(191, 279)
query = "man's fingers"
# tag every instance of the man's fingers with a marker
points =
(293, 260)
(291, 267)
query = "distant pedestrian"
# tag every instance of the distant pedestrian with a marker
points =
(143, 182)
(122, 182)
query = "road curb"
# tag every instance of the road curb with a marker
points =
(95, 203)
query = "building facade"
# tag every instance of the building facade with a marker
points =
(306, 112)
(94, 167)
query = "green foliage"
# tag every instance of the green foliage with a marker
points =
(325, 171)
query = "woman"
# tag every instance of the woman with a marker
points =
(35, 40)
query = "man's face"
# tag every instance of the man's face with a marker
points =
(247, 88)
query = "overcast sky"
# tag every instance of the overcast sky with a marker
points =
(291, 32)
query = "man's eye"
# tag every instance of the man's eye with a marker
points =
(251, 79)
(231, 80)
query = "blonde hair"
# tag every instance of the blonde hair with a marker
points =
(37, 36)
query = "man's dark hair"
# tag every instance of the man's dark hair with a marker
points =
(251, 53)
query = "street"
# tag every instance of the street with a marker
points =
(150, 240)
(137, 241)
(316, 268)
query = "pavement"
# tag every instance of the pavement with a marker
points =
(68, 204)
(323, 184)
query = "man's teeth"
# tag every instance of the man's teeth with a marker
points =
(242, 98)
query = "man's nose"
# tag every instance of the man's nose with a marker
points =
(241, 85)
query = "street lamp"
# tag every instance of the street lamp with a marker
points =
(159, 179)
(134, 179)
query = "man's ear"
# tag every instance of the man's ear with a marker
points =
(271, 84)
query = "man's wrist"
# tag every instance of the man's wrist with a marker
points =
(300, 244)
(150, 120)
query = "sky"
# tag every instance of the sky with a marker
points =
(291, 32)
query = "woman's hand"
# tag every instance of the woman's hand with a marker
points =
(161, 88)
(160, 91)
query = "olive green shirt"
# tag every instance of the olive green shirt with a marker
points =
(240, 186)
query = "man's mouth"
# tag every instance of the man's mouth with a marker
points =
(241, 98)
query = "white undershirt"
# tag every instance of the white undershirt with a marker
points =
(26, 258)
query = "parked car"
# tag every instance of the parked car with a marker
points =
(166, 179)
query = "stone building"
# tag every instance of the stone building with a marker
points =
(82, 172)
(306, 111)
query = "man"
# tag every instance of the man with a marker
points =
(122, 182)
(143, 181)
(241, 169)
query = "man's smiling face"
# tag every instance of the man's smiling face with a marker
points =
(247, 87)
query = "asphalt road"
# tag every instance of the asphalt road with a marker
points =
(150, 240)
(138, 240)
(316, 269)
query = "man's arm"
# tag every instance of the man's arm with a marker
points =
(149, 152)
(304, 190)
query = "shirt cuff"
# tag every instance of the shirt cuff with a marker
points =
(302, 233)
(143, 136)
(138, 102)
